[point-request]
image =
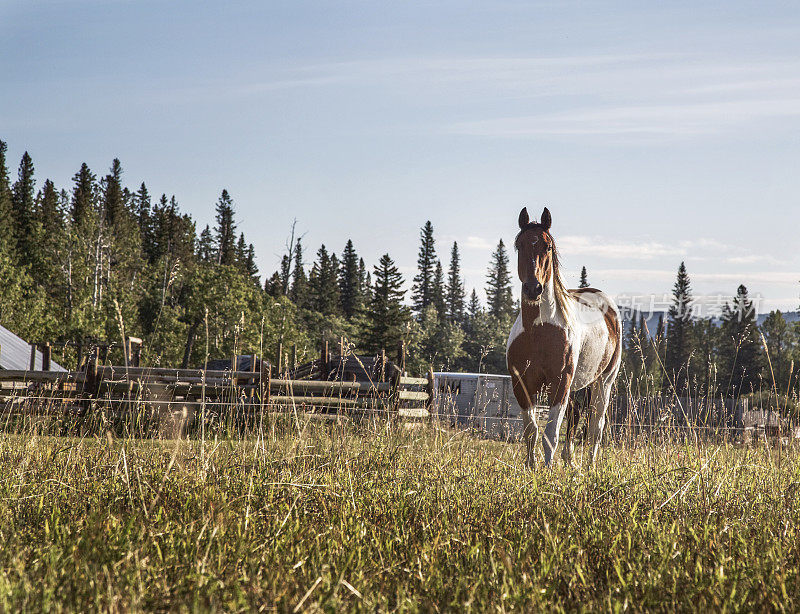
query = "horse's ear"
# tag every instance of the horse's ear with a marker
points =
(524, 219)
(546, 219)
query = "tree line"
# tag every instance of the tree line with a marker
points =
(98, 260)
(729, 355)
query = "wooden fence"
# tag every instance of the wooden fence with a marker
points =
(330, 386)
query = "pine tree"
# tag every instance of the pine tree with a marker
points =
(705, 334)
(250, 267)
(387, 315)
(781, 339)
(438, 301)
(455, 288)
(498, 286)
(83, 195)
(113, 201)
(350, 282)
(6, 217)
(323, 284)
(679, 337)
(739, 351)
(241, 253)
(298, 292)
(422, 290)
(365, 283)
(285, 274)
(272, 286)
(205, 246)
(225, 230)
(23, 211)
(48, 213)
(144, 216)
(474, 307)
(584, 283)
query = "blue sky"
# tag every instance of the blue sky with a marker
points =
(654, 132)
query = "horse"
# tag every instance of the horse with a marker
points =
(562, 341)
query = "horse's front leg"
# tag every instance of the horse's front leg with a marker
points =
(573, 417)
(559, 400)
(531, 434)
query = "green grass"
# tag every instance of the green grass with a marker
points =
(339, 518)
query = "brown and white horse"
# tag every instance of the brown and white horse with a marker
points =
(562, 341)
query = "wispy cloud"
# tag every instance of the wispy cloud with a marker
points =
(684, 119)
(641, 249)
(789, 278)
(655, 96)
(478, 243)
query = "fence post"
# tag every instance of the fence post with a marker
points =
(33, 358)
(91, 386)
(294, 357)
(133, 350)
(46, 356)
(430, 388)
(324, 359)
(401, 356)
(264, 383)
(382, 367)
(253, 381)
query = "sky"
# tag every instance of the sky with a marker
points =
(654, 132)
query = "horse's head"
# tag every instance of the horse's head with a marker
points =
(535, 254)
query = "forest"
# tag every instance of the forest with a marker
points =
(98, 260)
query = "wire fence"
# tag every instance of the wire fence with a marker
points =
(629, 419)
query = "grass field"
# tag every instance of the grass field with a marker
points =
(341, 518)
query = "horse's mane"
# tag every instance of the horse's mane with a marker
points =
(563, 298)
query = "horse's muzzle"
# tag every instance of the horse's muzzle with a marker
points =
(532, 291)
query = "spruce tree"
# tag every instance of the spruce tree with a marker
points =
(6, 217)
(422, 289)
(679, 331)
(365, 283)
(740, 345)
(387, 316)
(298, 292)
(48, 213)
(113, 200)
(781, 340)
(225, 230)
(350, 282)
(83, 195)
(273, 285)
(22, 202)
(241, 253)
(144, 216)
(455, 288)
(584, 282)
(205, 246)
(285, 274)
(438, 301)
(705, 333)
(499, 298)
(323, 295)
(250, 268)
(474, 306)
